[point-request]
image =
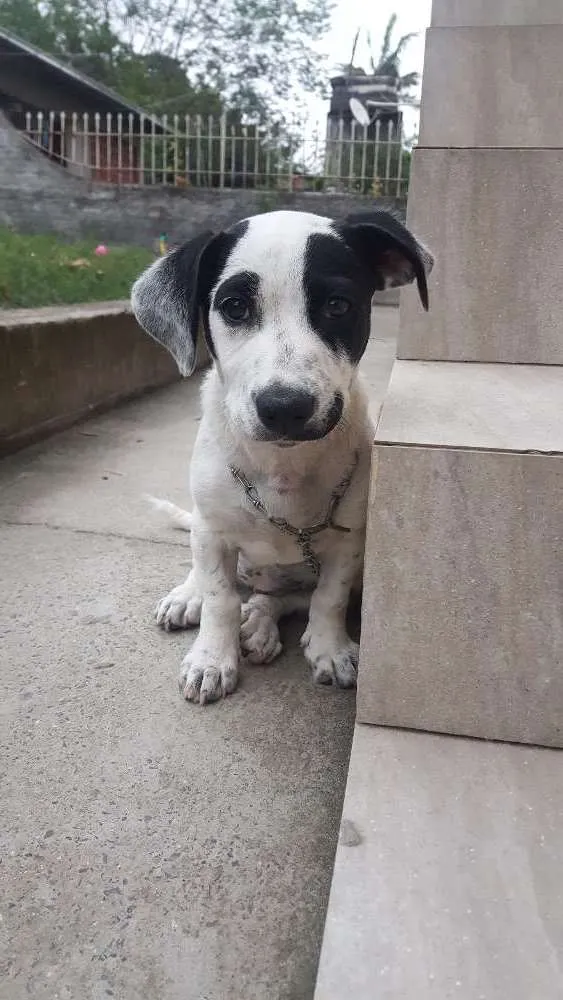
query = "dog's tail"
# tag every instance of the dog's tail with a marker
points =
(180, 518)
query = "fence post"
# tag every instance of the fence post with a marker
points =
(210, 130)
(233, 155)
(290, 171)
(62, 151)
(187, 152)
(153, 151)
(222, 148)
(363, 168)
(198, 151)
(109, 150)
(340, 150)
(388, 158)
(97, 159)
(142, 150)
(352, 155)
(244, 155)
(131, 160)
(119, 148)
(269, 178)
(400, 159)
(176, 167)
(164, 123)
(376, 150)
(256, 156)
(51, 140)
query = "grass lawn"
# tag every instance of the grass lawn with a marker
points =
(43, 271)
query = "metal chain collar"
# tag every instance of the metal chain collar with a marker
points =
(303, 536)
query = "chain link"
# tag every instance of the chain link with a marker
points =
(303, 536)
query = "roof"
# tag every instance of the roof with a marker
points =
(107, 99)
(382, 89)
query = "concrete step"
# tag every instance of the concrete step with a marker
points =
(462, 629)
(447, 880)
(455, 13)
(499, 407)
(503, 79)
(492, 217)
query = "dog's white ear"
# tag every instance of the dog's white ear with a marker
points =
(166, 301)
(390, 250)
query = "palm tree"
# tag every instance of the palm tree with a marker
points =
(388, 61)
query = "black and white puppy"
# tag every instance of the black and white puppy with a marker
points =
(280, 469)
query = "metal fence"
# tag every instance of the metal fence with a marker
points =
(217, 152)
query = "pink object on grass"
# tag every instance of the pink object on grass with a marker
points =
(101, 250)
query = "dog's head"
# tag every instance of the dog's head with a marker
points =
(285, 301)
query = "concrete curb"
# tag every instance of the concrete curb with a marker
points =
(59, 365)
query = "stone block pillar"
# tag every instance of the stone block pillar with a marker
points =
(463, 601)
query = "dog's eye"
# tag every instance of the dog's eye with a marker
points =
(336, 306)
(235, 309)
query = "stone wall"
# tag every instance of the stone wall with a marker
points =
(38, 196)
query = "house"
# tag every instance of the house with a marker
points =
(381, 91)
(346, 138)
(79, 123)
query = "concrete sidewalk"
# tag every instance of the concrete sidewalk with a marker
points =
(151, 849)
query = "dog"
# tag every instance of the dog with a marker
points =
(281, 464)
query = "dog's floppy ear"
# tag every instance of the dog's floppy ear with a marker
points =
(166, 300)
(389, 250)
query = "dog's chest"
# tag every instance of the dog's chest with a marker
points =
(266, 544)
(271, 555)
(276, 564)
(275, 578)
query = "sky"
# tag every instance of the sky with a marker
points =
(349, 15)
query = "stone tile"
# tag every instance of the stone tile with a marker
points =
(150, 848)
(509, 407)
(447, 881)
(140, 448)
(452, 13)
(492, 219)
(462, 629)
(502, 78)
(389, 297)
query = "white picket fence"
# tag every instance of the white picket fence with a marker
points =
(206, 151)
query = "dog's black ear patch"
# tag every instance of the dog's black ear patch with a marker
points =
(389, 250)
(169, 298)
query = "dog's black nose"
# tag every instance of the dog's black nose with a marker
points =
(283, 410)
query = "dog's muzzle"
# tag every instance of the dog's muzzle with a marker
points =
(288, 414)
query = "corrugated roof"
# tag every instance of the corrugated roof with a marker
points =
(61, 69)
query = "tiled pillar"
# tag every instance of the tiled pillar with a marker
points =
(463, 599)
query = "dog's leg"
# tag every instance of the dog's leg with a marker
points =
(181, 608)
(328, 647)
(210, 669)
(259, 633)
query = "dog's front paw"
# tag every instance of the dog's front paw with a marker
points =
(181, 608)
(334, 659)
(259, 633)
(207, 676)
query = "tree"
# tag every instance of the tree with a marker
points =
(388, 62)
(255, 55)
